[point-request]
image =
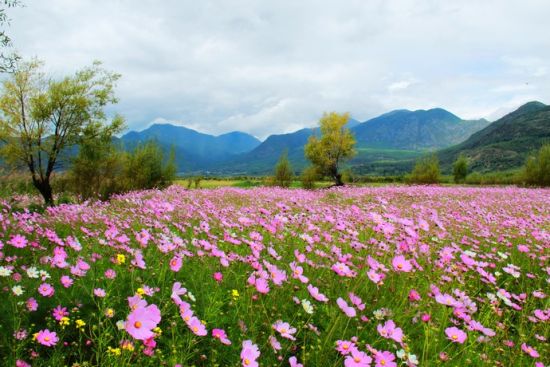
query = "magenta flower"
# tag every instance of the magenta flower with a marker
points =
(177, 291)
(142, 321)
(293, 361)
(66, 281)
(18, 241)
(318, 296)
(357, 359)
(414, 295)
(46, 290)
(249, 354)
(284, 329)
(176, 263)
(221, 335)
(47, 338)
(345, 346)
(455, 335)
(384, 359)
(218, 277)
(389, 331)
(529, 350)
(59, 312)
(262, 285)
(399, 263)
(31, 304)
(99, 292)
(349, 311)
(197, 327)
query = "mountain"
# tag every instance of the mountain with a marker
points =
(392, 137)
(415, 130)
(506, 143)
(194, 150)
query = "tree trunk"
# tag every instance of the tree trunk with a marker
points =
(338, 179)
(45, 190)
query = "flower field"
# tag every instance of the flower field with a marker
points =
(388, 276)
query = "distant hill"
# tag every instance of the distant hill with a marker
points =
(194, 150)
(389, 138)
(415, 130)
(506, 143)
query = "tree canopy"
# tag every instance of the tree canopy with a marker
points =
(335, 144)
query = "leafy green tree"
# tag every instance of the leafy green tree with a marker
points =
(96, 169)
(335, 145)
(283, 171)
(460, 169)
(308, 177)
(426, 170)
(40, 117)
(144, 168)
(536, 171)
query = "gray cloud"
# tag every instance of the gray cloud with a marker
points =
(274, 66)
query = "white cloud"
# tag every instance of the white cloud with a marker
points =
(272, 67)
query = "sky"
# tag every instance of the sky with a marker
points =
(270, 67)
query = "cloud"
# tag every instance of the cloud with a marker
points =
(273, 67)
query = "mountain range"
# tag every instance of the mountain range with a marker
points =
(387, 144)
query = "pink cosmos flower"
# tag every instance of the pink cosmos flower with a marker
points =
(221, 335)
(356, 300)
(446, 299)
(318, 296)
(110, 274)
(345, 346)
(21, 363)
(529, 350)
(59, 312)
(349, 311)
(197, 327)
(414, 295)
(455, 335)
(47, 338)
(262, 285)
(274, 343)
(357, 359)
(218, 277)
(399, 263)
(136, 302)
(389, 331)
(284, 329)
(293, 361)
(176, 263)
(177, 291)
(31, 304)
(18, 241)
(142, 321)
(249, 354)
(66, 281)
(384, 359)
(99, 292)
(46, 290)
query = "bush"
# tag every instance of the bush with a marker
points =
(283, 171)
(144, 169)
(308, 177)
(426, 171)
(460, 169)
(536, 171)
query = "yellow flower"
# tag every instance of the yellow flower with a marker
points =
(157, 331)
(109, 312)
(235, 294)
(64, 321)
(80, 323)
(114, 351)
(128, 345)
(140, 292)
(121, 259)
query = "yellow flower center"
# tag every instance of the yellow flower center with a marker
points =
(345, 346)
(47, 338)
(195, 329)
(383, 362)
(454, 337)
(357, 359)
(247, 361)
(137, 324)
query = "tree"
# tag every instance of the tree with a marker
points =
(96, 169)
(460, 169)
(283, 171)
(144, 168)
(335, 145)
(308, 177)
(536, 171)
(7, 60)
(40, 117)
(426, 170)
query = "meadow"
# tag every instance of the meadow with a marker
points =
(365, 276)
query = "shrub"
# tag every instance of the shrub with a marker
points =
(426, 170)
(460, 169)
(283, 171)
(308, 177)
(536, 171)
